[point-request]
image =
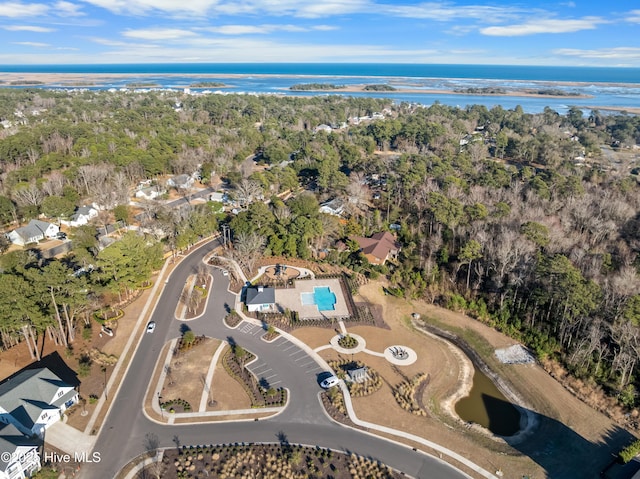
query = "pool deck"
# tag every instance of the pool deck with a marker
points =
(290, 298)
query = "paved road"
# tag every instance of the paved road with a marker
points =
(281, 362)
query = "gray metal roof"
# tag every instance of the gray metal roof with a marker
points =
(260, 295)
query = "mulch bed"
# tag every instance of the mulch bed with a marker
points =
(336, 414)
(265, 460)
(201, 304)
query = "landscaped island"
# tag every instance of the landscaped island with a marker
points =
(268, 461)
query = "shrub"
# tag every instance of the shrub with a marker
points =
(86, 332)
(629, 452)
(348, 342)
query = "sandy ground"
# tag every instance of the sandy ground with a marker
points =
(570, 439)
(430, 91)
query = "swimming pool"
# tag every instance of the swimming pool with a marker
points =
(322, 297)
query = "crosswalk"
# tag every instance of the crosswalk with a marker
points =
(266, 375)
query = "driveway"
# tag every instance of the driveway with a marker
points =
(302, 421)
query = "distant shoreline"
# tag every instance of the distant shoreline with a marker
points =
(77, 80)
(440, 91)
(47, 79)
(425, 88)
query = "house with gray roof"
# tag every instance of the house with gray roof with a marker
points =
(150, 192)
(181, 182)
(19, 456)
(260, 298)
(34, 399)
(81, 217)
(333, 207)
(35, 231)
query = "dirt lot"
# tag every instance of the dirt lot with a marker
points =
(227, 393)
(571, 439)
(188, 371)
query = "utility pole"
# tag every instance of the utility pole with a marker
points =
(226, 234)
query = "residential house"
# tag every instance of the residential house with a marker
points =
(333, 207)
(379, 247)
(219, 197)
(19, 456)
(81, 217)
(260, 298)
(181, 182)
(150, 192)
(323, 127)
(35, 231)
(34, 399)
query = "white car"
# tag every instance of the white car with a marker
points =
(107, 330)
(151, 327)
(225, 272)
(329, 382)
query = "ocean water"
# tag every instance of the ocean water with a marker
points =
(607, 87)
(497, 72)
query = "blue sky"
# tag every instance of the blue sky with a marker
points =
(573, 32)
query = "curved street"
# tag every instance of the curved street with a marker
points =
(303, 421)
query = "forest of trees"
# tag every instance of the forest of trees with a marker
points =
(497, 217)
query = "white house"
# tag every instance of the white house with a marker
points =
(34, 399)
(323, 127)
(19, 456)
(181, 181)
(35, 231)
(260, 298)
(150, 192)
(81, 217)
(333, 207)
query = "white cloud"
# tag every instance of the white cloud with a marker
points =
(543, 26)
(67, 9)
(443, 11)
(108, 42)
(238, 29)
(32, 44)
(327, 8)
(28, 28)
(298, 8)
(19, 9)
(324, 28)
(619, 53)
(158, 33)
(142, 7)
(633, 16)
(264, 29)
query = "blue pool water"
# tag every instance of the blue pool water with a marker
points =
(322, 297)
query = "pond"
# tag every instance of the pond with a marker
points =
(487, 406)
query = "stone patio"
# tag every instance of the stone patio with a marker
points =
(290, 298)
